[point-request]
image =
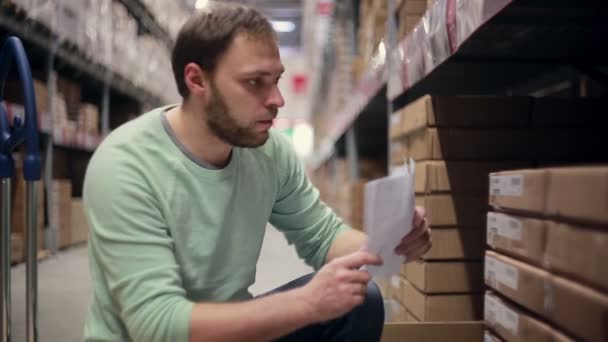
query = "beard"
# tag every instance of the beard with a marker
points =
(224, 125)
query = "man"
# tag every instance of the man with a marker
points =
(178, 201)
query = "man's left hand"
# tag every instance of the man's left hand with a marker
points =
(415, 244)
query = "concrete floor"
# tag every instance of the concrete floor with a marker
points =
(65, 287)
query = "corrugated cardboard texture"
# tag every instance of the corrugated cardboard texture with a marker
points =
(463, 111)
(456, 244)
(470, 144)
(447, 210)
(579, 253)
(443, 307)
(520, 237)
(445, 276)
(457, 177)
(528, 195)
(575, 308)
(432, 332)
(579, 193)
(513, 324)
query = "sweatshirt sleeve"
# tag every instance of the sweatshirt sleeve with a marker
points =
(132, 250)
(298, 212)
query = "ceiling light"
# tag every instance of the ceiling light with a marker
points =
(283, 26)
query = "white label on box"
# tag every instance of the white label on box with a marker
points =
(508, 185)
(493, 228)
(498, 271)
(497, 313)
(509, 319)
(513, 228)
(396, 119)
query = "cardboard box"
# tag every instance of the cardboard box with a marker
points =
(579, 194)
(470, 144)
(441, 307)
(578, 310)
(568, 112)
(61, 211)
(432, 332)
(465, 111)
(579, 253)
(519, 191)
(445, 276)
(520, 237)
(457, 177)
(459, 210)
(79, 223)
(572, 193)
(456, 244)
(394, 311)
(414, 7)
(513, 324)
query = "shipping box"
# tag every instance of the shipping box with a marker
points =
(495, 144)
(456, 244)
(519, 190)
(441, 307)
(514, 325)
(465, 111)
(433, 332)
(61, 211)
(568, 112)
(579, 310)
(79, 226)
(454, 210)
(17, 248)
(489, 336)
(457, 177)
(521, 237)
(445, 276)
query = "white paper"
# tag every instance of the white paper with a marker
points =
(389, 213)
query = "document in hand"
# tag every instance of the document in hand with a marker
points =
(389, 212)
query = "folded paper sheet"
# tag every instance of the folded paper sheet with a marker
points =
(389, 213)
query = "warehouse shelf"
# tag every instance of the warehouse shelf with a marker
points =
(478, 47)
(147, 20)
(494, 46)
(43, 40)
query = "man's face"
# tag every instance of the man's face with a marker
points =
(243, 96)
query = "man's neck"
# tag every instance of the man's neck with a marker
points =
(192, 131)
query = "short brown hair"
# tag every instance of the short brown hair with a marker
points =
(207, 34)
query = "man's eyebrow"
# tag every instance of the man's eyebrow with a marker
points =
(262, 73)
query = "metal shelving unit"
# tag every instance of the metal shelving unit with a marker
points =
(47, 52)
(478, 47)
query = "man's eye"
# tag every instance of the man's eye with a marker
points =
(254, 82)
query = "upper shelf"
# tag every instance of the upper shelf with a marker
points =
(476, 47)
(44, 41)
(495, 46)
(147, 20)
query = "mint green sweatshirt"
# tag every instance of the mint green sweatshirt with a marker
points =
(166, 232)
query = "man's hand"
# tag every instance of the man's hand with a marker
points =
(415, 244)
(339, 286)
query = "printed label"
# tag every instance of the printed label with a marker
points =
(498, 272)
(497, 313)
(503, 225)
(509, 185)
(493, 228)
(513, 228)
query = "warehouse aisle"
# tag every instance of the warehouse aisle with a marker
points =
(65, 289)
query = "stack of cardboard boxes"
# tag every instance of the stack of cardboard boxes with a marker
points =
(343, 194)
(451, 139)
(549, 239)
(372, 30)
(67, 215)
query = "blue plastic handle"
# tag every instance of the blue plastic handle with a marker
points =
(27, 132)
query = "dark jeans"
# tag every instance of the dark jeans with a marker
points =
(363, 324)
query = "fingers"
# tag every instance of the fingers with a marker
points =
(406, 247)
(358, 259)
(354, 276)
(357, 289)
(419, 215)
(417, 252)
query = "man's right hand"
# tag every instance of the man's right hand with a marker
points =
(339, 286)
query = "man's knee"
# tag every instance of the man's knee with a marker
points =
(373, 299)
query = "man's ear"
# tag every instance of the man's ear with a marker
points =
(196, 79)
